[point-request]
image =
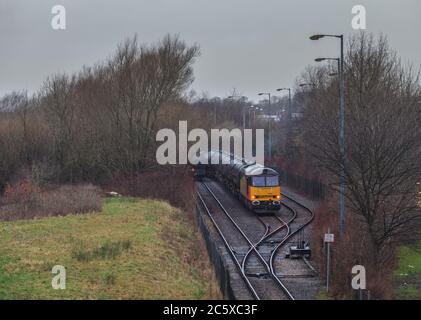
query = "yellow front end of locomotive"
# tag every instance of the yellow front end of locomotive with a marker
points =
(264, 193)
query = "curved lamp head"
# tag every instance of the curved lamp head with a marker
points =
(316, 37)
(320, 59)
(312, 84)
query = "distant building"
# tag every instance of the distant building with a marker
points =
(266, 117)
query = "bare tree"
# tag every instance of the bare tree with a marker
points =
(143, 79)
(383, 143)
(18, 104)
(101, 121)
(58, 103)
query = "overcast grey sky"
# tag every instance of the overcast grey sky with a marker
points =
(252, 45)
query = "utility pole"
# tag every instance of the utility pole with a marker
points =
(243, 108)
(342, 142)
(269, 125)
(270, 130)
(289, 101)
(214, 115)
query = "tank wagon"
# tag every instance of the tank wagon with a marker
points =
(257, 186)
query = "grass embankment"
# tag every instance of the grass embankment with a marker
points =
(114, 254)
(408, 273)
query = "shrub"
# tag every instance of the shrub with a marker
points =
(347, 252)
(21, 193)
(169, 183)
(25, 201)
(74, 199)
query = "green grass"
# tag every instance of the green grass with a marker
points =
(323, 295)
(108, 250)
(408, 273)
(114, 254)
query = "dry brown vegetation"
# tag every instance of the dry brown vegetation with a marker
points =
(23, 200)
(173, 184)
(347, 252)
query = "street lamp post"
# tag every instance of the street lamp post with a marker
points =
(269, 125)
(331, 59)
(289, 101)
(341, 129)
(302, 85)
(214, 115)
(252, 115)
(243, 109)
(250, 111)
(333, 74)
(256, 110)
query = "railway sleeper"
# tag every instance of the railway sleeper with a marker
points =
(272, 241)
(285, 276)
(263, 275)
(240, 251)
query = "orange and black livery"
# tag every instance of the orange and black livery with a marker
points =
(254, 184)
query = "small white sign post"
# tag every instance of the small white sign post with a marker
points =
(329, 238)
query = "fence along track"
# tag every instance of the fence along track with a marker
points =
(231, 252)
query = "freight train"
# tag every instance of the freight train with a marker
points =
(257, 186)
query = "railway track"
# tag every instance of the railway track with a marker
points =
(296, 225)
(254, 257)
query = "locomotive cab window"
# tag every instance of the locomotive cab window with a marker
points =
(258, 181)
(261, 181)
(272, 181)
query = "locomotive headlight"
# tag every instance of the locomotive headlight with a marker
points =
(253, 197)
(278, 197)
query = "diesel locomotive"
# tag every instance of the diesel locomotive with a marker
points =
(257, 186)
